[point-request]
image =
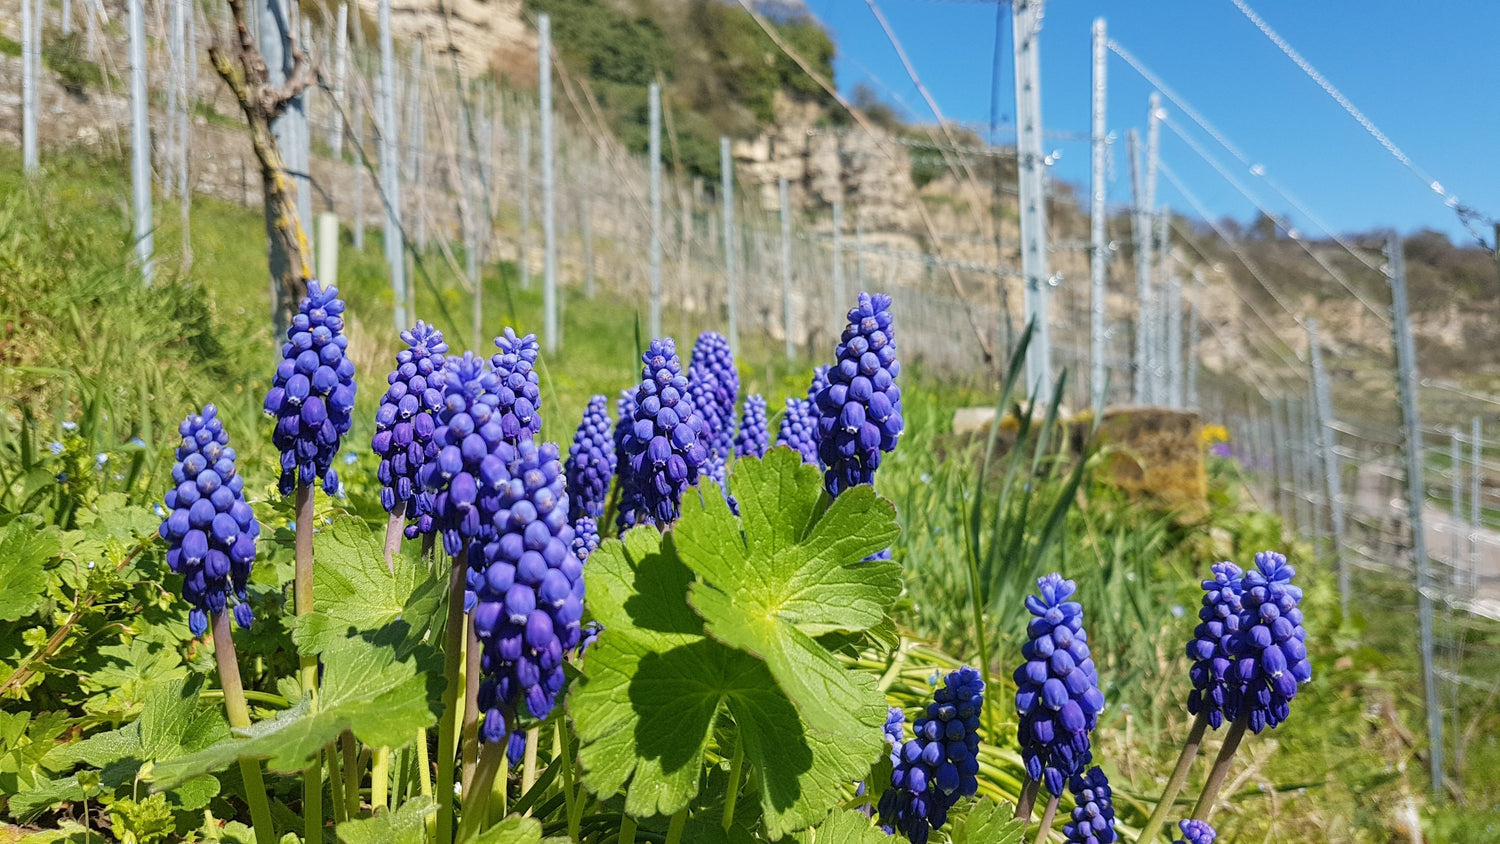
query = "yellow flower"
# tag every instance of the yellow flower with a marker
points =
(1214, 433)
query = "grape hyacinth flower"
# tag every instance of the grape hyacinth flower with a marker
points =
(1249, 653)
(819, 382)
(405, 423)
(753, 439)
(799, 429)
(1196, 832)
(210, 530)
(629, 508)
(860, 409)
(664, 448)
(714, 384)
(591, 462)
(1213, 644)
(1093, 820)
(529, 592)
(520, 393)
(585, 538)
(468, 470)
(1272, 654)
(312, 394)
(940, 763)
(1057, 688)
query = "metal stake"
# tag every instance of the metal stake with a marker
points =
(1416, 495)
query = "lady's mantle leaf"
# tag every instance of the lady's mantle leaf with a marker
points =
(654, 685)
(357, 591)
(365, 689)
(787, 571)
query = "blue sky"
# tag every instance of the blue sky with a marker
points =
(1427, 74)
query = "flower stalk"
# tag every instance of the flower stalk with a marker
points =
(1179, 777)
(238, 711)
(453, 642)
(1203, 810)
(1049, 815)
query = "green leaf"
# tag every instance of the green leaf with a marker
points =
(366, 689)
(788, 571)
(654, 685)
(407, 825)
(358, 592)
(513, 830)
(844, 826)
(26, 547)
(172, 722)
(988, 823)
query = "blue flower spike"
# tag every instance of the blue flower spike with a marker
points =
(529, 591)
(753, 439)
(714, 385)
(210, 530)
(799, 429)
(1249, 650)
(939, 764)
(406, 422)
(860, 408)
(312, 393)
(1196, 832)
(519, 386)
(1093, 818)
(665, 447)
(591, 462)
(1057, 688)
(467, 473)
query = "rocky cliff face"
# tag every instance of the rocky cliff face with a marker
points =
(485, 34)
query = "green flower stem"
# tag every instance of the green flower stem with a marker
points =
(674, 829)
(470, 732)
(1027, 800)
(336, 785)
(302, 596)
(528, 762)
(250, 695)
(424, 765)
(395, 531)
(239, 718)
(351, 774)
(1204, 808)
(561, 751)
(1179, 776)
(476, 802)
(627, 830)
(380, 777)
(1044, 829)
(453, 642)
(732, 795)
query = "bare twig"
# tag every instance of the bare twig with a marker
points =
(262, 104)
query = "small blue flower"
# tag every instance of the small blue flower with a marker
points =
(665, 449)
(101, 458)
(210, 530)
(753, 439)
(55, 447)
(591, 461)
(312, 393)
(1196, 832)
(939, 764)
(859, 412)
(70, 427)
(1057, 687)
(1093, 819)
(350, 458)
